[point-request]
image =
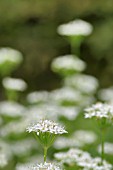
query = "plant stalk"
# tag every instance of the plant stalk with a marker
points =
(45, 153)
(102, 146)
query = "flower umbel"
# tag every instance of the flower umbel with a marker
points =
(44, 126)
(46, 166)
(45, 131)
(76, 27)
(99, 110)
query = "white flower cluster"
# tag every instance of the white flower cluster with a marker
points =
(14, 84)
(82, 160)
(46, 166)
(11, 109)
(46, 126)
(76, 27)
(99, 110)
(53, 112)
(3, 160)
(10, 55)
(14, 127)
(106, 94)
(70, 96)
(75, 140)
(73, 156)
(30, 162)
(108, 148)
(5, 153)
(65, 94)
(23, 147)
(85, 83)
(95, 164)
(37, 97)
(68, 64)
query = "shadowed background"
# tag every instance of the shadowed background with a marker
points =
(30, 26)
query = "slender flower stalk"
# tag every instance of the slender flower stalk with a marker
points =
(102, 146)
(45, 153)
(103, 113)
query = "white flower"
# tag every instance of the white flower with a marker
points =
(14, 84)
(95, 164)
(11, 109)
(106, 94)
(37, 97)
(108, 148)
(65, 94)
(75, 140)
(14, 128)
(73, 156)
(23, 147)
(3, 160)
(30, 162)
(10, 55)
(99, 111)
(82, 159)
(5, 153)
(68, 64)
(46, 126)
(46, 166)
(76, 27)
(85, 83)
(89, 137)
(70, 96)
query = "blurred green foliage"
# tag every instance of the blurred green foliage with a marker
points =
(30, 26)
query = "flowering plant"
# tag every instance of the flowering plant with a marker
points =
(46, 131)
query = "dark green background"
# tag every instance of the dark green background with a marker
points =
(30, 26)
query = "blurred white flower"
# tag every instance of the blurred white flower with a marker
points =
(15, 128)
(23, 166)
(14, 84)
(99, 110)
(5, 153)
(106, 94)
(94, 164)
(76, 140)
(3, 160)
(65, 94)
(10, 55)
(51, 111)
(85, 83)
(108, 148)
(30, 162)
(76, 27)
(37, 97)
(70, 96)
(11, 109)
(46, 166)
(68, 112)
(68, 64)
(72, 156)
(46, 126)
(82, 160)
(89, 136)
(23, 147)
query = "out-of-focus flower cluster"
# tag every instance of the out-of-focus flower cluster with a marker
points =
(99, 111)
(64, 105)
(81, 159)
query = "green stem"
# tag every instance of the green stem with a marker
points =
(75, 49)
(102, 146)
(45, 153)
